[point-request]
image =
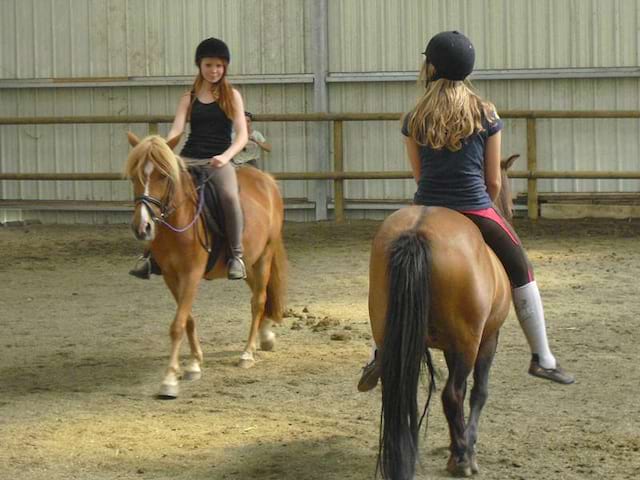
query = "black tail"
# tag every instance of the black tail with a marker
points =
(402, 354)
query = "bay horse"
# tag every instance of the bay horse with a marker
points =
(434, 283)
(167, 214)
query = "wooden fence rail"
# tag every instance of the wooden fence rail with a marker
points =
(338, 175)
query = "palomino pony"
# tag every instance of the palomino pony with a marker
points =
(167, 213)
(433, 282)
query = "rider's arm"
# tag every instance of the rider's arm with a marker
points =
(180, 120)
(240, 129)
(492, 176)
(260, 140)
(413, 152)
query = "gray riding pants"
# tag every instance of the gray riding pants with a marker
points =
(226, 182)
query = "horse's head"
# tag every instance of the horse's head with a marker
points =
(504, 202)
(154, 171)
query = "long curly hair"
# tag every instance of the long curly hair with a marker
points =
(448, 112)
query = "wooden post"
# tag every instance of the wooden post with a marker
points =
(153, 128)
(532, 165)
(338, 166)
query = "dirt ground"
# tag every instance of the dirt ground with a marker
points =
(84, 346)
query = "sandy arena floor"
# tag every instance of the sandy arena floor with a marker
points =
(84, 347)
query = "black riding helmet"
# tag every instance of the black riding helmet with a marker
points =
(451, 54)
(212, 47)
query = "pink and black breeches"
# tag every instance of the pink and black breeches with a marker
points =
(503, 240)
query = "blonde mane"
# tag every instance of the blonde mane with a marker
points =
(154, 148)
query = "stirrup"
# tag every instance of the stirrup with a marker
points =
(236, 268)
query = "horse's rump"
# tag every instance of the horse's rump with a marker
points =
(467, 279)
(260, 190)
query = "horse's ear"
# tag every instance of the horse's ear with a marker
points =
(172, 142)
(133, 140)
(506, 164)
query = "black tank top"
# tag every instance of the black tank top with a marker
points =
(210, 131)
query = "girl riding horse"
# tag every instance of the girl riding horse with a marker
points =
(212, 107)
(452, 137)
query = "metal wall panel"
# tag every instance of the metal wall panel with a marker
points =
(378, 35)
(121, 38)
(585, 144)
(374, 146)
(103, 148)
(91, 39)
(147, 38)
(590, 144)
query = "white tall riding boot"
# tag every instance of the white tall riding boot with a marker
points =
(528, 305)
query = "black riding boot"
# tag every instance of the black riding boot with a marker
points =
(145, 266)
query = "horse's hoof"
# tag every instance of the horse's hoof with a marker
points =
(246, 362)
(168, 391)
(268, 342)
(458, 469)
(473, 461)
(190, 376)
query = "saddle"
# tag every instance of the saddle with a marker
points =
(212, 214)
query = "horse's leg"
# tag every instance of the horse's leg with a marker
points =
(192, 370)
(479, 394)
(185, 291)
(258, 278)
(453, 403)
(267, 337)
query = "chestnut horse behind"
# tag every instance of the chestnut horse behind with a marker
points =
(167, 213)
(433, 282)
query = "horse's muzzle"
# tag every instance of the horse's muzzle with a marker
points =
(143, 229)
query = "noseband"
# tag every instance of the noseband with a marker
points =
(165, 211)
(146, 201)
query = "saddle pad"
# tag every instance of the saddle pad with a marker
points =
(212, 213)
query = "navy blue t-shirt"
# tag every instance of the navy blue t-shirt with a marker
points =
(455, 179)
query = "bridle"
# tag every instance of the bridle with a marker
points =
(166, 210)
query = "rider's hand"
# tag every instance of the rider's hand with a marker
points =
(219, 160)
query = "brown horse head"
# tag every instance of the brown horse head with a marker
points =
(504, 202)
(154, 170)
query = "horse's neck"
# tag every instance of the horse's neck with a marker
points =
(502, 203)
(183, 201)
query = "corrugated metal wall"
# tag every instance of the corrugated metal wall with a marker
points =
(138, 39)
(119, 39)
(104, 148)
(381, 36)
